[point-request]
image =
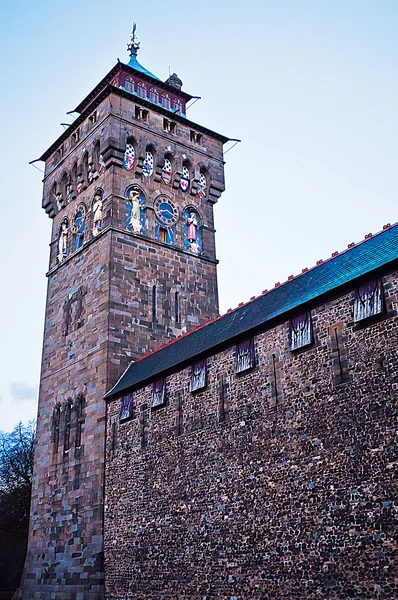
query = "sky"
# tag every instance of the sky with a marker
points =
(309, 86)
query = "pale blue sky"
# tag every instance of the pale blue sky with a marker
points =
(310, 86)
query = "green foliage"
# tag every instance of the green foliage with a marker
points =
(16, 469)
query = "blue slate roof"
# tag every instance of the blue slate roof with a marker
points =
(372, 254)
(134, 64)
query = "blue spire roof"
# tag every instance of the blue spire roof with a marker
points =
(133, 48)
(133, 62)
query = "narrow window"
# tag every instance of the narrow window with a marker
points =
(199, 138)
(198, 376)
(141, 89)
(369, 300)
(166, 125)
(93, 118)
(177, 307)
(126, 408)
(159, 393)
(244, 356)
(80, 421)
(154, 303)
(177, 105)
(163, 235)
(56, 421)
(193, 136)
(145, 115)
(153, 95)
(300, 331)
(166, 101)
(129, 85)
(76, 136)
(68, 415)
(172, 127)
(137, 112)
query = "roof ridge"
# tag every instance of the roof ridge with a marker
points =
(319, 262)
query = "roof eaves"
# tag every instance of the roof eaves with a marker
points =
(118, 389)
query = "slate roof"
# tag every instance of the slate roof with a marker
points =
(358, 261)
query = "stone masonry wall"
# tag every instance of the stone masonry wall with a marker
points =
(278, 483)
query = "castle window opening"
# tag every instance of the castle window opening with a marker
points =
(369, 300)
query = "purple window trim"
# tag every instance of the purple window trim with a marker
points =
(159, 393)
(369, 300)
(300, 331)
(198, 376)
(126, 407)
(244, 356)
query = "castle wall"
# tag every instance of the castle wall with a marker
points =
(274, 483)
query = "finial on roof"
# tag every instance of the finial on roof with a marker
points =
(134, 44)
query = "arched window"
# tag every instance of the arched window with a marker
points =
(56, 424)
(147, 169)
(63, 191)
(68, 418)
(79, 407)
(129, 155)
(166, 101)
(135, 210)
(97, 210)
(78, 225)
(185, 180)
(176, 105)
(141, 90)
(63, 240)
(153, 95)
(129, 85)
(192, 231)
(202, 185)
(167, 171)
(85, 167)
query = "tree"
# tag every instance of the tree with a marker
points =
(16, 470)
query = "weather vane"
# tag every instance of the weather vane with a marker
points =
(134, 44)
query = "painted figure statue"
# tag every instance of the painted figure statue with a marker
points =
(135, 217)
(97, 214)
(192, 223)
(63, 242)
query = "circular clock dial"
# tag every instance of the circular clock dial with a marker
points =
(166, 211)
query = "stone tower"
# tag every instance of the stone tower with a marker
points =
(130, 187)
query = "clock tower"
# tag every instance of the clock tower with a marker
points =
(130, 187)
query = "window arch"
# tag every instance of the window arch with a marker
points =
(79, 408)
(56, 424)
(177, 105)
(153, 95)
(78, 225)
(97, 211)
(166, 101)
(135, 210)
(167, 170)
(63, 240)
(129, 85)
(202, 184)
(85, 167)
(141, 89)
(129, 154)
(147, 169)
(185, 180)
(68, 422)
(192, 231)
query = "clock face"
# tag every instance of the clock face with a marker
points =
(166, 211)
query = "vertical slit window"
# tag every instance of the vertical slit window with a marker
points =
(68, 415)
(80, 421)
(56, 421)
(154, 303)
(177, 307)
